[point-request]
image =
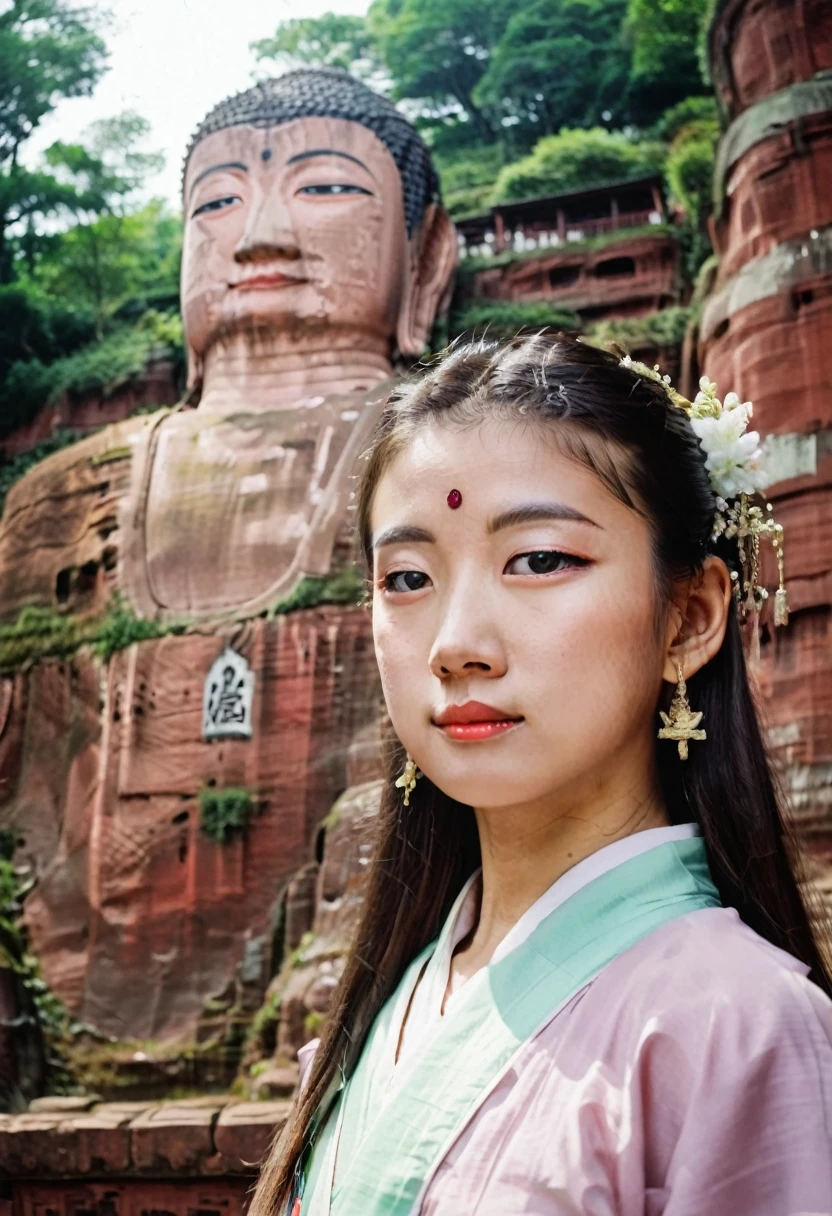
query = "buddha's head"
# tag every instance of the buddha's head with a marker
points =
(312, 212)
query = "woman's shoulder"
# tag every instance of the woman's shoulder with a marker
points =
(709, 979)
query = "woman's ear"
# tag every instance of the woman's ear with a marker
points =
(698, 621)
(433, 258)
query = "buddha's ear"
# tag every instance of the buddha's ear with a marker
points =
(196, 369)
(432, 262)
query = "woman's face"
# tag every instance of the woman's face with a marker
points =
(535, 597)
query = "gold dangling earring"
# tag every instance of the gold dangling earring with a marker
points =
(408, 779)
(680, 724)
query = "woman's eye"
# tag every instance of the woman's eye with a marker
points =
(217, 204)
(545, 561)
(333, 188)
(405, 580)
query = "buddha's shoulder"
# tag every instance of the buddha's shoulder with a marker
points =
(77, 467)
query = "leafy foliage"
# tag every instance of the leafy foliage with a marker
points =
(337, 40)
(437, 51)
(665, 36)
(49, 49)
(511, 71)
(690, 176)
(504, 319)
(120, 628)
(690, 167)
(692, 109)
(30, 384)
(558, 63)
(225, 813)
(41, 1027)
(575, 160)
(347, 587)
(661, 329)
(468, 178)
(40, 633)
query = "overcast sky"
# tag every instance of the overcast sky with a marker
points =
(172, 60)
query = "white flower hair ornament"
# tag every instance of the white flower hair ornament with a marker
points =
(735, 464)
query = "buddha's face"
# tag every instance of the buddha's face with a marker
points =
(293, 228)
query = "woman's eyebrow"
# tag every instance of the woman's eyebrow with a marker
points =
(533, 512)
(403, 534)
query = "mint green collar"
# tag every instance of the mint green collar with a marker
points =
(392, 1126)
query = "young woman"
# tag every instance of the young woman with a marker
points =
(585, 980)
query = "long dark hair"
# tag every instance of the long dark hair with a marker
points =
(627, 430)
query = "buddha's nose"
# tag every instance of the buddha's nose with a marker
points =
(269, 233)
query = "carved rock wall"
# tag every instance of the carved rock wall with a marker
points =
(758, 47)
(766, 332)
(80, 1157)
(630, 277)
(138, 917)
(90, 410)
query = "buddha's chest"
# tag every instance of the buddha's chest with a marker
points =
(227, 514)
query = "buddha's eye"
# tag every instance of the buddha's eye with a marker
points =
(545, 561)
(217, 204)
(333, 188)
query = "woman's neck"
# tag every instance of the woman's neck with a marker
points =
(526, 849)
(245, 373)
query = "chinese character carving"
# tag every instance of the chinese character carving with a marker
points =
(227, 700)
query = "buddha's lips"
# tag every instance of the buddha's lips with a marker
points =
(267, 282)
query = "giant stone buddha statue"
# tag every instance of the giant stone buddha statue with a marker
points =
(316, 256)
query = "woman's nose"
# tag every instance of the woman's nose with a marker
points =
(468, 641)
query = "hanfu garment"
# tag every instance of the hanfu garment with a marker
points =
(688, 1072)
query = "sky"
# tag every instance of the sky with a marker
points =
(171, 61)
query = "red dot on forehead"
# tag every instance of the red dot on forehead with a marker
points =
(454, 499)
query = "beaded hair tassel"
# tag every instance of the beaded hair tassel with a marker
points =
(735, 464)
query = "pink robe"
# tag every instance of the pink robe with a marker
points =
(692, 1077)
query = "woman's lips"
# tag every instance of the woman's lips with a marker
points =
(478, 730)
(474, 720)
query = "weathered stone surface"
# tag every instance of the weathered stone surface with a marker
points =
(138, 917)
(57, 1105)
(245, 1130)
(216, 515)
(277, 1082)
(133, 1197)
(189, 1138)
(95, 408)
(59, 540)
(308, 980)
(776, 193)
(177, 1137)
(766, 333)
(757, 49)
(632, 276)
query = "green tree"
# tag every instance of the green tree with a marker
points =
(559, 63)
(104, 263)
(332, 40)
(664, 36)
(690, 176)
(114, 251)
(467, 176)
(109, 167)
(437, 51)
(49, 49)
(575, 159)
